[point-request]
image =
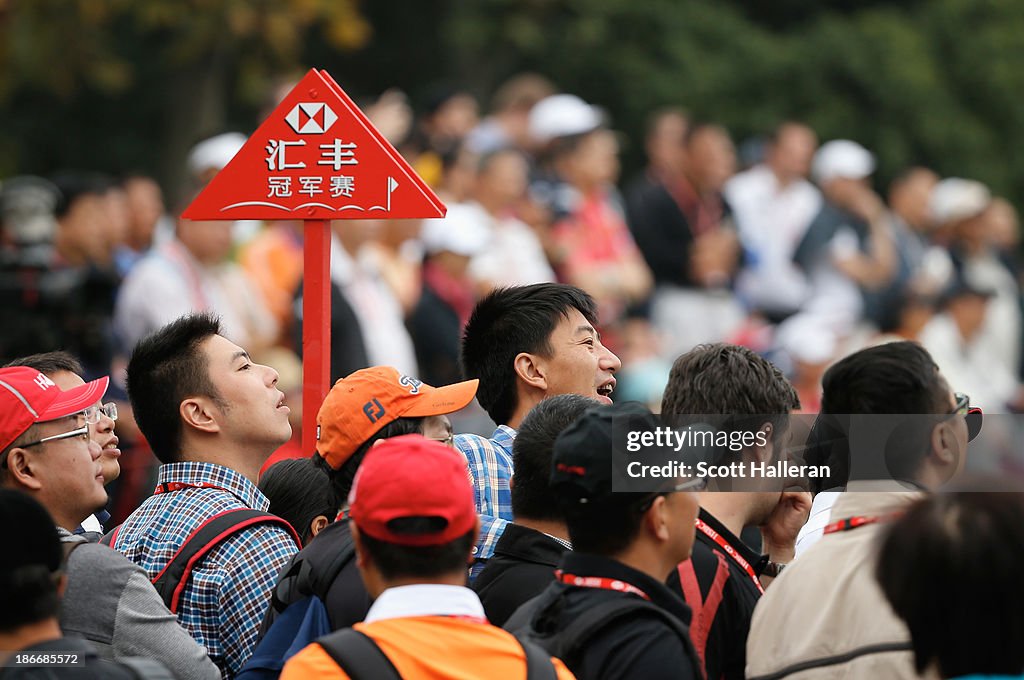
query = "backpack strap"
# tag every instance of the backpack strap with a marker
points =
(171, 581)
(111, 536)
(538, 662)
(69, 548)
(358, 655)
(704, 610)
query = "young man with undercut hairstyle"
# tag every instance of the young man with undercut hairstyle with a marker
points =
(529, 550)
(212, 416)
(827, 615)
(724, 578)
(525, 343)
(414, 523)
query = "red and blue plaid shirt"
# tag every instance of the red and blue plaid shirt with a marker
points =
(228, 594)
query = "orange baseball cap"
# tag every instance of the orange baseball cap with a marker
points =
(360, 405)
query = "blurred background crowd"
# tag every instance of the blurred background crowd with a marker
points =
(805, 181)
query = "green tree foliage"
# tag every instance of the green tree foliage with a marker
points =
(133, 84)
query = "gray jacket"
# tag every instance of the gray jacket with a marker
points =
(110, 601)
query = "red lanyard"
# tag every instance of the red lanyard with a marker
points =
(858, 521)
(730, 551)
(167, 487)
(599, 582)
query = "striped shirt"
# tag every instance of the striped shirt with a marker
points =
(225, 600)
(490, 469)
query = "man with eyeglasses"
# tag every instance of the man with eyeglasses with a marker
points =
(827, 616)
(66, 372)
(46, 451)
(362, 409)
(608, 613)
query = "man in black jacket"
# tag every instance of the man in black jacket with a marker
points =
(529, 550)
(612, 583)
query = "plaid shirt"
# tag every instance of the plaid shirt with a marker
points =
(225, 600)
(490, 469)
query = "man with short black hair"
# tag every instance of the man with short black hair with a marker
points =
(751, 395)
(413, 524)
(529, 550)
(524, 344)
(609, 614)
(827, 615)
(359, 412)
(212, 417)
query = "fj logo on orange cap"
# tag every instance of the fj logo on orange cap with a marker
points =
(374, 410)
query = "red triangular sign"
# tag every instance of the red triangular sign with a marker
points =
(314, 162)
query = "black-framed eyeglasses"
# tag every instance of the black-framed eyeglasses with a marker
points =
(92, 414)
(78, 432)
(694, 484)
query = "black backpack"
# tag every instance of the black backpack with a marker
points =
(361, 659)
(171, 582)
(532, 622)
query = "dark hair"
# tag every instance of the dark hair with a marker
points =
(728, 380)
(402, 561)
(74, 185)
(897, 377)
(947, 554)
(50, 362)
(342, 478)
(532, 496)
(609, 526)
(509, 321)
(894, 378)
(166, 367)
(299, 492)
(29, 572)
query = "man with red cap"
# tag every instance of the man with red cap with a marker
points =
(46, 452)
(414, 524)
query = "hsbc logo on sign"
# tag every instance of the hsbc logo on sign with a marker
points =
(311, 118)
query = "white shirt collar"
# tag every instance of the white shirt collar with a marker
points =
(425, 600)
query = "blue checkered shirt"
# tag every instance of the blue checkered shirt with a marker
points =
(227, 596)
(490, 469)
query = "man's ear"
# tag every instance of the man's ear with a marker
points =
(530, 370)
(944, 445)
(656, 518)
(362, 556)
(200, 414)
(763, 454)
(21, 469)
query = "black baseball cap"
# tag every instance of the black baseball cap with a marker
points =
(582, 467)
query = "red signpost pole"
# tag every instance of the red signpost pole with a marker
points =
(316, 326)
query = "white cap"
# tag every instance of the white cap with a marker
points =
(807, 339)
(955, 199)
(561, 115)
(460, 231)
(214, 153)
(842, 158)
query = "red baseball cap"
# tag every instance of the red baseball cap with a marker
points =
(28, 397)
(412, 476)
(360, 405)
